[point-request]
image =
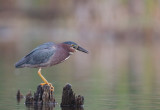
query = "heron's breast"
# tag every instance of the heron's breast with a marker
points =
(59, 56)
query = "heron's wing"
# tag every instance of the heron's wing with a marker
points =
(43, 46)
(40, 56)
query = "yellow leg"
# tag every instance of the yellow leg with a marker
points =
(45, 81)
(52, 88)
(39, 73)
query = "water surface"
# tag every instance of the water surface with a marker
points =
(100, 94)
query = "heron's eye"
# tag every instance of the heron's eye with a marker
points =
(74, 46)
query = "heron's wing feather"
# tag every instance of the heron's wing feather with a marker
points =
(40, 56)
(43, 46)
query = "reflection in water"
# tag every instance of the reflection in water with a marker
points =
(49, 107)
(72, 108)
(37, 106)
(19, 100)
(40, 106)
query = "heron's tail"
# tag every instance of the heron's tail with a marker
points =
(20, 64)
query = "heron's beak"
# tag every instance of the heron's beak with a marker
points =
(82, 49)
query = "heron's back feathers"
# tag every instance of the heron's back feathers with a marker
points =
(38, 56)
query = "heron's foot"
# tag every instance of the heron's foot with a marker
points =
(51, 87)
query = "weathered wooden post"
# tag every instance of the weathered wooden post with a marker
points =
(43, 97)
(69, 99)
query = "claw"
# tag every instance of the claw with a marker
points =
(45, 81)
(51, 87)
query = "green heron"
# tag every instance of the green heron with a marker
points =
(48, 54)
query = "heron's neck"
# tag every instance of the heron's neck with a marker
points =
(68, 48)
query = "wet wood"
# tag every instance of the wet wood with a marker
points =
(43, 95)
(40, 106)
(43, 99)
(19, 96)
(69, 99)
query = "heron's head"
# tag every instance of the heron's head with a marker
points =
(74, 46)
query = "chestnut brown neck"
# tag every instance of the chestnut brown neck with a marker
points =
(67, 47)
